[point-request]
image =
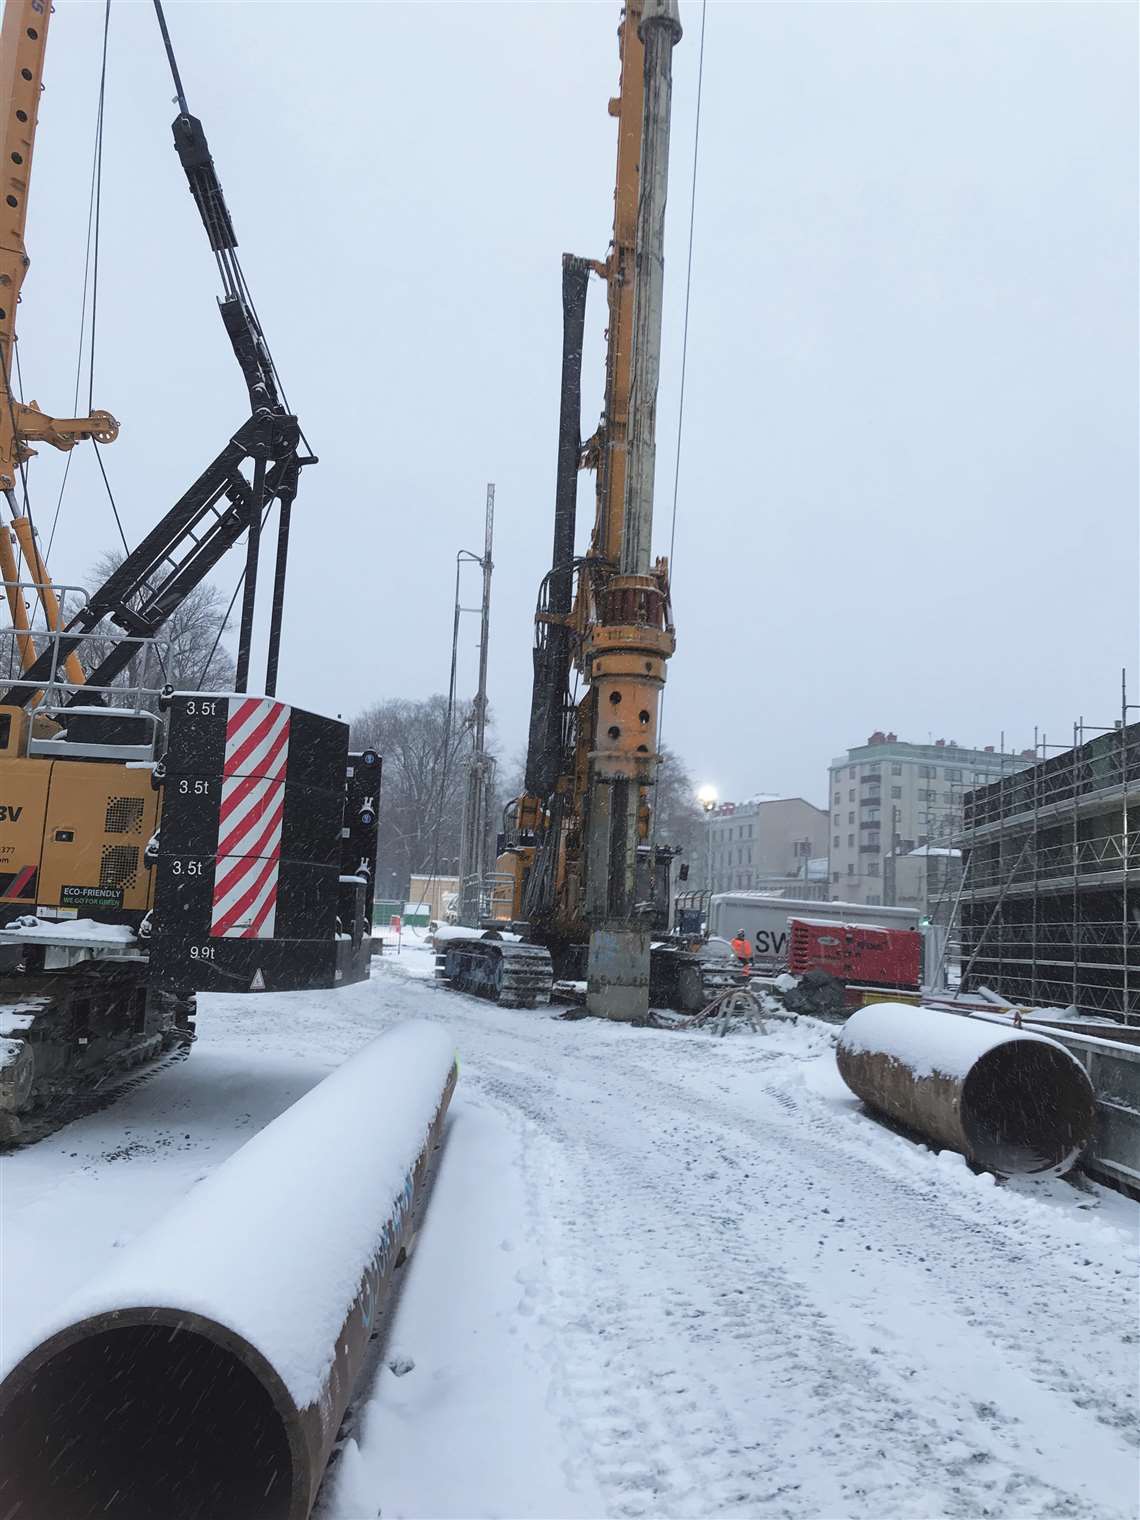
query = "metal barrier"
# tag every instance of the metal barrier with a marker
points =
(1113, 1068)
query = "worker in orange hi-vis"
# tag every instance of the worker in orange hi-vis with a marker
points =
(742, 945)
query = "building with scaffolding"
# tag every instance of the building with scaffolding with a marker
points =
(1050, 897)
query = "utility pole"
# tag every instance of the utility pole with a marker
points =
(474, 835)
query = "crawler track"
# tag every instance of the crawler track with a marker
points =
(512, 975)
(18, 1131)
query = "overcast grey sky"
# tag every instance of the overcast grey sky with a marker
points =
(909, 485)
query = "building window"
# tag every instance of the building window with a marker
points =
(851, 773)
(872, 868)
(851, 795)
(750, 831)
(870, 816)
(927, 771)
(835, 842)
(749, 854)
(923, 839)
(896, 792)
(839, 796)
(851, 868)
(873, 770)
(850, 817)
(896, 769)
(851, 841)
(834, 876)
(872, 900)
(873, 841)
(953, 775)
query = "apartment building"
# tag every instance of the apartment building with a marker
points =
(750, 845)
(889, 797)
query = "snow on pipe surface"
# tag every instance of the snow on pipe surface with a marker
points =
(205, 1376)
(1010, 1100)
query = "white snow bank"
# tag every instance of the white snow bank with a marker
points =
(928, 1040)
(274, 1244)
(30, 927)
(457, 931)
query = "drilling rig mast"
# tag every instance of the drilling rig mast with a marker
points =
(587, 882)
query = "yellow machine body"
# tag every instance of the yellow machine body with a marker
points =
(72, 832)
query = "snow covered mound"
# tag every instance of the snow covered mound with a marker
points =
(274, 1244)
(84, 929)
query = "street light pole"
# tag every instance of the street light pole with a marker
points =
(707, 797)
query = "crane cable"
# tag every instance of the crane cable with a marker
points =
(688, 285)
(684, 350)
(91, 280)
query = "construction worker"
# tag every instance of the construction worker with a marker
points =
(742, 946)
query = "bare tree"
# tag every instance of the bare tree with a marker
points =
(421, 798)
(187, 640)
(678, 817)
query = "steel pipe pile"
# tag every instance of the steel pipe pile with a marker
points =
(1007, 1099)
(205, 1376)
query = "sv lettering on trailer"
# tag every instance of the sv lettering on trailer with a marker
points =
(10, 814)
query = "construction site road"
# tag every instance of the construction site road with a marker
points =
(661, 1274)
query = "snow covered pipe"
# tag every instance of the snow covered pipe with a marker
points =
(1010, 1100)
(205, 1376)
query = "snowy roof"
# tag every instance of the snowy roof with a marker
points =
(935, 849)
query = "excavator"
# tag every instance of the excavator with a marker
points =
(154, 843)
(579, 877)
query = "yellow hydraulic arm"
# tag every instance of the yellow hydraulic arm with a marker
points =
(23, 37)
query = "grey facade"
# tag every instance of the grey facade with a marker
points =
(754, 843)
(888, 797)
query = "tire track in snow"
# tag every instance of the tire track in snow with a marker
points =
(688, 1293)
(826, 1149)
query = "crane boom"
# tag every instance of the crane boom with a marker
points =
(223, 503)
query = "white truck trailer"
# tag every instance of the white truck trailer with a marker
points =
(765, 920)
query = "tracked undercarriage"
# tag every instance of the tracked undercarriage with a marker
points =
(67, 1036)
(513, 975)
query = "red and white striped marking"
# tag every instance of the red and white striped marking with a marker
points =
(249, 819)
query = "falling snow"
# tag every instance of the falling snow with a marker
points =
(661, 1275)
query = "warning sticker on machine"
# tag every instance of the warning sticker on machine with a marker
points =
(91, 897)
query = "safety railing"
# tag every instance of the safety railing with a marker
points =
(137, 690)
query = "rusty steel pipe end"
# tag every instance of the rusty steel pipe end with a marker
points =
(142, 1412)
(1009, 1100)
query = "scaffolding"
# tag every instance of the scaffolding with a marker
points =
(1050, 907)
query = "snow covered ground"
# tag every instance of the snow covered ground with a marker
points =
(661, 1275)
